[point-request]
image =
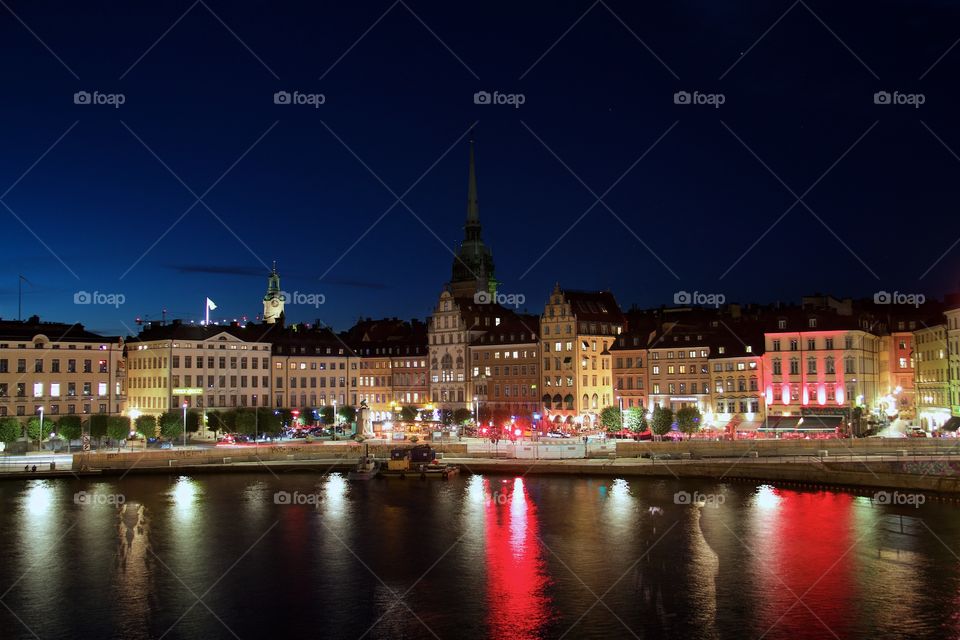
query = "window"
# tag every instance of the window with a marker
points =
(776, 345)
(829, 343)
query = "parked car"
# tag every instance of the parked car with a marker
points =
(166, 445)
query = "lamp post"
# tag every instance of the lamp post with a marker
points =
(184, 424)
(333, 433)
(40, 437)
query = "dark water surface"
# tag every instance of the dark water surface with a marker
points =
(216, 556)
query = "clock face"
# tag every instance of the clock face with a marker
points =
(275, 303)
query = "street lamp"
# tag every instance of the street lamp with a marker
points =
(184, 424)
(40, 437)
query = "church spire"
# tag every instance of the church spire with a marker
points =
(473, 205)
(473, 265)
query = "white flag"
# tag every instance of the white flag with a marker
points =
(210, 305)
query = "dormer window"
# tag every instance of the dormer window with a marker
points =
(781, 324)
(812, 323)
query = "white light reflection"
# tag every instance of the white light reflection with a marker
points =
(335, 495)
(184, 496)
(38, 498)
(767, 498)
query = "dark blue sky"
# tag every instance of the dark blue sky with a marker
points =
(800, 97)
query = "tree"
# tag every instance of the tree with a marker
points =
(194, 418)
(245, 422)
(326, 414)
(70, 427)
(408, 413)
(10, 429)
(268, 422)
(662, 421)
(146, 425)
(171, 425)
(118, 427)
(33, 428)
(98, 426)
(688, 419)
(636, 420)
(611, 419)
(462, 415)
(306, 416)
(348, 414)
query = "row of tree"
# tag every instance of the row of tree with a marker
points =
(634, 419)
(67, 427)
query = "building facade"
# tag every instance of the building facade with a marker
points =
(174, 365)
(932, 384)
(505, 370)
(59, 368)
(577, 329)
(818, 366)
(630, 373)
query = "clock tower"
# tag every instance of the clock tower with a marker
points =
(273, 301)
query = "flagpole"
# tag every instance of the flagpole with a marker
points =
(206, 308)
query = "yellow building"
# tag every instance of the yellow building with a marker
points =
(203, 367)
(577, 329)
(61, 368)
(932, 385)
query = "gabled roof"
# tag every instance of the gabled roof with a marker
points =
(594, 306)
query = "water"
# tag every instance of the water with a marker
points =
(215, 556)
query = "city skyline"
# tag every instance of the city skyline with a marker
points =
(637, 164)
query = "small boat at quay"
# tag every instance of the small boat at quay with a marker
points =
(420, 461)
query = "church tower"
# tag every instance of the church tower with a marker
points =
(473, 265)
(273, 301)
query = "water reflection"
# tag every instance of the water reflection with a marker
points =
(518, 607)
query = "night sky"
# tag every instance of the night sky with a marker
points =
(689, 191)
